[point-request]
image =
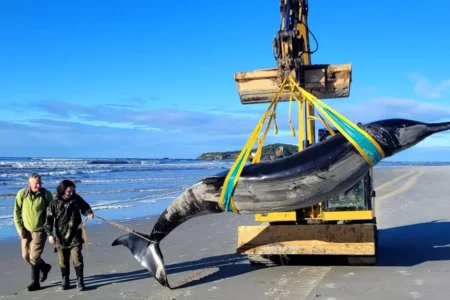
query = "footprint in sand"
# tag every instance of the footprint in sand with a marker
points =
(282, 281)
(418, 282)
(416, 295)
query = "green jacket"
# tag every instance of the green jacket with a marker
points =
(30, 210)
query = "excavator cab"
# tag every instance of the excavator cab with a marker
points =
(343, 226)
(354, 206)
(360, 198)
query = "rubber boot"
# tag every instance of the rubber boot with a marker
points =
(45, 269)
(80, 278)
(65, 279)
(34, 285)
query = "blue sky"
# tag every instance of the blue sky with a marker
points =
(145, 79)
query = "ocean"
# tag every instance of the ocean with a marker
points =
(116, 189)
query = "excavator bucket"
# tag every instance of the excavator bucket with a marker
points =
(323, 81)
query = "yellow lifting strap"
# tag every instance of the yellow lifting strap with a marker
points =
(364, 143)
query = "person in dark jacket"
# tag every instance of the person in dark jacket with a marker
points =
(64, 214)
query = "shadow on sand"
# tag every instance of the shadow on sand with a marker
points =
(402, 246)
(229, 265)
(408, 245)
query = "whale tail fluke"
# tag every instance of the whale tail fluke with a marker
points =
(147, 254)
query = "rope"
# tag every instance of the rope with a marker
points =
(226, 201)
(84, 233)
(83, 230)
(369, 149)
(125, 228)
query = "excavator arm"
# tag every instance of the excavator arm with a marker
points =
(308, 230)
(293, 56)
(292, 53)
(291, 43)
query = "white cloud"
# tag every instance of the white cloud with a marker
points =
(426, 89)
(385, 108)
(198, 131)
(377, 109)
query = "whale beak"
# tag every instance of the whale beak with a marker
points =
(147, 254)
(438, 127)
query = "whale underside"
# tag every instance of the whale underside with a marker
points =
(297, 181)
(289, 183)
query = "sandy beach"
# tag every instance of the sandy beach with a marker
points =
(412, 208)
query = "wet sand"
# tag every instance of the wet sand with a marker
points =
(412, 208)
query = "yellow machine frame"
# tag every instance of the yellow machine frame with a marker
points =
(306, 231)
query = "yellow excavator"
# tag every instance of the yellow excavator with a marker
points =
(344, 225)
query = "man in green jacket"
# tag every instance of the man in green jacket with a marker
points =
(29, 218)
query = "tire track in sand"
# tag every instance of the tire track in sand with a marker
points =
(402, 189)
(178, 289)
(298, 285)
(305, 280)
(391, 182)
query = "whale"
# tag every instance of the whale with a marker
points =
(324, 169)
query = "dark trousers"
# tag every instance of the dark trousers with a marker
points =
(65, 254)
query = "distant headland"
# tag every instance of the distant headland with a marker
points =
(269, 152)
